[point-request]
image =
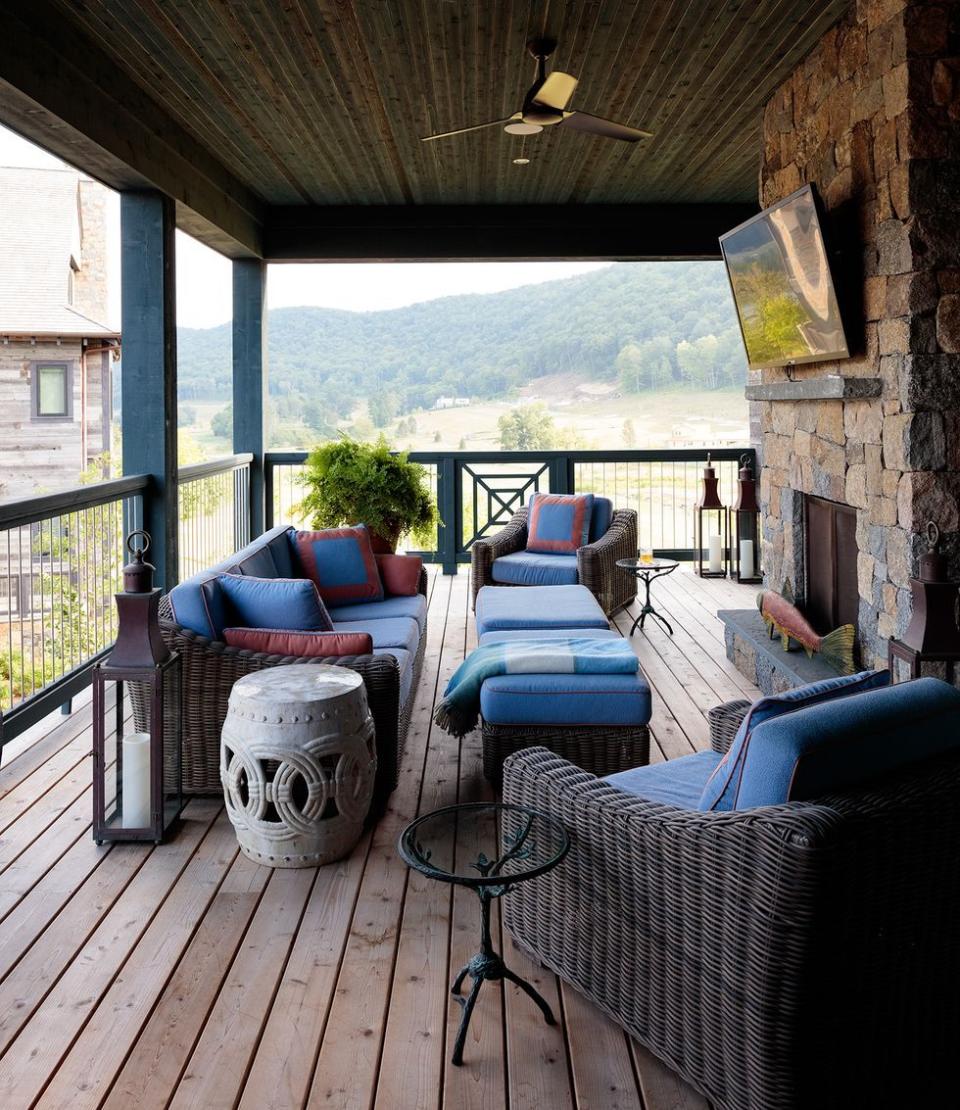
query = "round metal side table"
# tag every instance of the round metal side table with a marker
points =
(461, 844)
(646, 572)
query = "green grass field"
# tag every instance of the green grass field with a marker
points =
(671, 418)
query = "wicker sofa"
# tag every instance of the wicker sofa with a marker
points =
(778, 958)
(211, 667)
(595, 563)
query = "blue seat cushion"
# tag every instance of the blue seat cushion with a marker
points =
(566, 699)
(405, 659)
(846, 742)
(290, 604)
(531, 568)
(200, 608)
(678, 782)
(549, 634)
(391, 632)
(415, 607)
(501, 607)
(723, 788)
(600, 517)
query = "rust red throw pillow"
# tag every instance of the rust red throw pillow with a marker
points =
(276, 641)
(400, 574)
(340, 561)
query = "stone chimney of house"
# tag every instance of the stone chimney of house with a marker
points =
(872, 118)
(90, 280)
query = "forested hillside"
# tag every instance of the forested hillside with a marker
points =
(652, 325)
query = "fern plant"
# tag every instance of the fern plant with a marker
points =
(365, 483)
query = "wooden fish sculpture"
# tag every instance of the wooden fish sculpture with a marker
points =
(783, 617)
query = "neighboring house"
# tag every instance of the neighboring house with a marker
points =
(55, 349)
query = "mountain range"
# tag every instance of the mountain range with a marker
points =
(652, 324)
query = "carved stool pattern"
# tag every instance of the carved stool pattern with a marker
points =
(297, 763)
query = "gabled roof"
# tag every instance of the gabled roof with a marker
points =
(39, 234)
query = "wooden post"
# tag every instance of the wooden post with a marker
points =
(448, 477)
(250, 377)
(149, 373)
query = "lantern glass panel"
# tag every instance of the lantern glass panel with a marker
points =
(138, 769)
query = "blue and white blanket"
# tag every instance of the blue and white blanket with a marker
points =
(460, 709)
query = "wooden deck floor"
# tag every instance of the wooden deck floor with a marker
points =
(187, 976)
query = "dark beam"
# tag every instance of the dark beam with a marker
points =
(499, 232)
(250, 376)
(61, 91)
(148, 377)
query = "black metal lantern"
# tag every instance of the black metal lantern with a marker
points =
(933, 635)
(745, 531)
(137, 791)
(708, 510)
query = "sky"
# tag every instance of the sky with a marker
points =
(204, 283)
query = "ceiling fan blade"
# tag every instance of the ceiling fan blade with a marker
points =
(556, 91)
(464, 130)
(594, 125)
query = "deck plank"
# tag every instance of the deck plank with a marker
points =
(35, 1054)
(161, 1050)
(187, 975)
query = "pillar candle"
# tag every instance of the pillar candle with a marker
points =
(746, 559)
(714, 554)
(136, 780)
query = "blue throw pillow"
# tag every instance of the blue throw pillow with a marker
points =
(559, 523)
(720, 792)
(291, 604)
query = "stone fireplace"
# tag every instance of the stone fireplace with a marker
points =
(872, 118)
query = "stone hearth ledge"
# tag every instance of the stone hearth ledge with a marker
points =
(763, 661)
(831, 387)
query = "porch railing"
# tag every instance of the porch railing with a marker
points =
(478, 491)
(214, 511)
(61, 558)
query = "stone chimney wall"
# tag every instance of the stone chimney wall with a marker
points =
(872, 118)
(90, 281)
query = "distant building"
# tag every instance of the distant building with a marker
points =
(451, 403)
(55, 349)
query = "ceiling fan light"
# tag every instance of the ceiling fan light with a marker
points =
(521, 128)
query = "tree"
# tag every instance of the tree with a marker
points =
(529, 428)
(629, 434)
(383, 408)
(222, 423)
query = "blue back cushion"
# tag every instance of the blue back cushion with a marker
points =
(841, 744)
(197, 604)
(723, 787)
(291, 604)
(259, 564)
(601, 517)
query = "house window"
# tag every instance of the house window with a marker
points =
(52, 390)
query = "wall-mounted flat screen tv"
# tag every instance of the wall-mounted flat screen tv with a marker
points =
(780, 277)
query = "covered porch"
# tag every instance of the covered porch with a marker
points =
(185, 975)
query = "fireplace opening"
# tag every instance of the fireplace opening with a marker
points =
(830, 564)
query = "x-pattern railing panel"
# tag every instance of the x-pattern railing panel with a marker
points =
(502, 500)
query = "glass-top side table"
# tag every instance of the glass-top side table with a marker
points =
(646, 571)
(529, 844)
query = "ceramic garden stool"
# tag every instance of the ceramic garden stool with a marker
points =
(297, 762)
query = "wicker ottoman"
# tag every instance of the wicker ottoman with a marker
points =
(297, 763)
(598, 722)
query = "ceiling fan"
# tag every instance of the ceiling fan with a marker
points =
(545, 106)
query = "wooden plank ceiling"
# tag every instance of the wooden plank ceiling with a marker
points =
(321, 102)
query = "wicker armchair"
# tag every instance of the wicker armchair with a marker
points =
(787, 957)
(210, 668)
(596, 562)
